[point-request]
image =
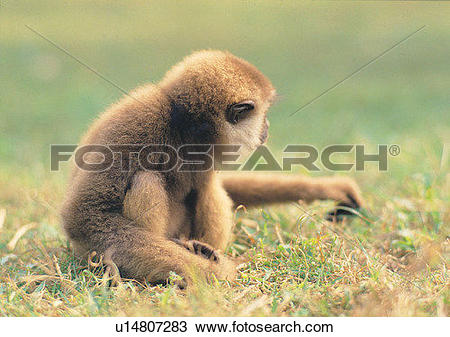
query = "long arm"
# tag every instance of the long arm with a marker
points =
(213, 214)
(253, 189)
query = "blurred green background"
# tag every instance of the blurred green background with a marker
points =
(303, 47)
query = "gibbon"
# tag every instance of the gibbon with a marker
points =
(151, 223)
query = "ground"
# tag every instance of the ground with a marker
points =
(392, 259)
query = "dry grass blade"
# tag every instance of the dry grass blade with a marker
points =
(47, 262)
(258, 303)
(237, 209)
(92, 263)
(249, 235)
(2, 217)
(57, 267)
(20, 232)
(278, 233)
(67, 285)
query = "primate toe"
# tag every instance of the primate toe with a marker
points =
(205, 250)
(199, 248)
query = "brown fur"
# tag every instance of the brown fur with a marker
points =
(151, 223)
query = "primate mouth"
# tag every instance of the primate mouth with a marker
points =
(265, 133)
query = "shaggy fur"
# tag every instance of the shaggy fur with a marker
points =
(151, 223)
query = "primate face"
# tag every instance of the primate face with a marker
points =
(247, 125)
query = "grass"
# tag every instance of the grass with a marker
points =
(393, 261)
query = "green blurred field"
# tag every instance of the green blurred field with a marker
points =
(304, 48)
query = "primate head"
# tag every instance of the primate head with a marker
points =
(219, 98)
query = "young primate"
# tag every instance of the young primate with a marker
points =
(153, 222)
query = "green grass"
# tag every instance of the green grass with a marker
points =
(392, 262)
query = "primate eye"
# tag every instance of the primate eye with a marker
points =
(239, 111)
